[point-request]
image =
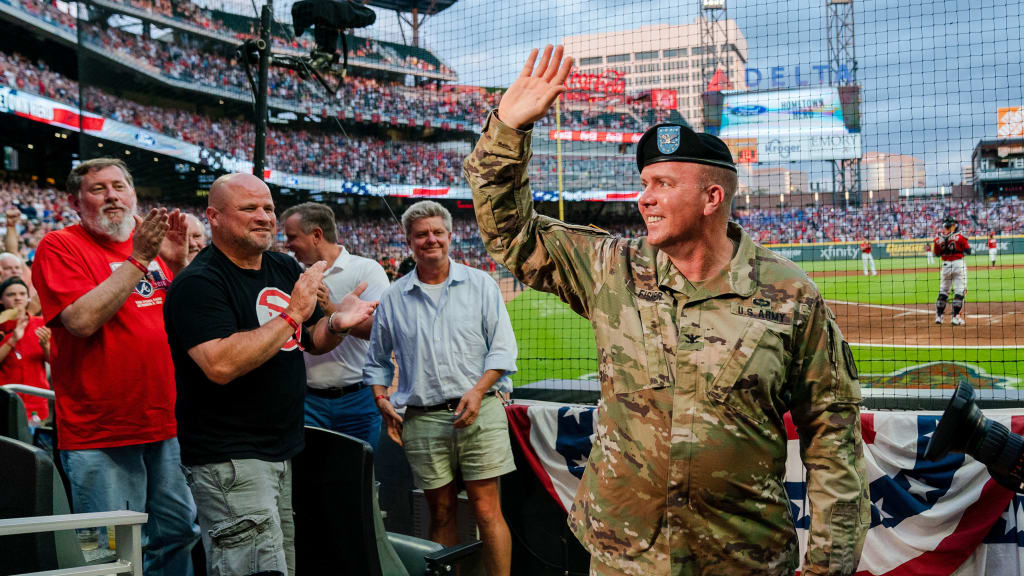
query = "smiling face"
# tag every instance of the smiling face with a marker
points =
(429, 240)
(241, 214)
(196, 236)
(673, 202)
(106, 203)
(303, 245)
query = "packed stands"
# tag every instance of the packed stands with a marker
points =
(44, 208)
(321, 153)
(881, 221)
(204, 63)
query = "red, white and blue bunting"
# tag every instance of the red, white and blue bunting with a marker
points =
(927, 518)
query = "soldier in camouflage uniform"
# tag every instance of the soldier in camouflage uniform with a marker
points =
(705, 340)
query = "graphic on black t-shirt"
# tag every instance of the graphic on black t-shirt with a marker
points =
(259, 414)
(269, 305)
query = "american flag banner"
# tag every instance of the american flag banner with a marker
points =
(927, 518)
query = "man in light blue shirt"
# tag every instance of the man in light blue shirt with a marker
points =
(452, 338)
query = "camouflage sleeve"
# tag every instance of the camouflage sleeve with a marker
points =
(545, 253)
(826, 413)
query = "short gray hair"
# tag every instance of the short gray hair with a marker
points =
(425, 209)
(74, 182)
(9, 255)
(312, 216)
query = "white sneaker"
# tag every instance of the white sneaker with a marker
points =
(958, 321)
(874, 273)
(938, 318)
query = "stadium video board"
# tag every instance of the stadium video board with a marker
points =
(790, 125)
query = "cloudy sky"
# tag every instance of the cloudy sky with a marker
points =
(934, 72)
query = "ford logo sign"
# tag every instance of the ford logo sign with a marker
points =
(145, 140)
(749, 110)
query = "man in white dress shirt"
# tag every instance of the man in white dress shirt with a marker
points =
(335, 396)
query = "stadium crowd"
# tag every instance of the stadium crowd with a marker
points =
(318, 153)
(881, 221)
(192, 14)
(209, 64)
(45, 207)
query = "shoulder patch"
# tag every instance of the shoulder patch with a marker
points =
(851, 366)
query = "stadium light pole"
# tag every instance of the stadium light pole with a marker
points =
(558, 155)
(259, 156)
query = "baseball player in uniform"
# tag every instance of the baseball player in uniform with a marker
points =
(992, 248)
(929, 252)
(951, 246)
(867, 258)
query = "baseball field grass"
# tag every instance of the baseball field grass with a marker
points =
(555, 343)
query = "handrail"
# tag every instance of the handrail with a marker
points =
(127, 532)
(30, 390)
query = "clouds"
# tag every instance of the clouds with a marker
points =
(934, 72)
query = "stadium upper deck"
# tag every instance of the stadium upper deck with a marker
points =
(200, 57)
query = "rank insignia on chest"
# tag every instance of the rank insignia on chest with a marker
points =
(690, 342)
(761, 314)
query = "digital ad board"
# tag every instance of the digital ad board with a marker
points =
(790, 125)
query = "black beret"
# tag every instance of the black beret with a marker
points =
(677, 143)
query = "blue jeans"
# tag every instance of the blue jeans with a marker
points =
(144, 478)
(355, 414)
(245, 511)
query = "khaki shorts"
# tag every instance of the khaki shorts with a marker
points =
(435, 449)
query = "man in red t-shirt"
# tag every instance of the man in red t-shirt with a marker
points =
(102, 285)
(992, 248)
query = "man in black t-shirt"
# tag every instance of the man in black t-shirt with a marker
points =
(237, 320)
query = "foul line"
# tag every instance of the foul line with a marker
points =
(898, 308)
(935, 346)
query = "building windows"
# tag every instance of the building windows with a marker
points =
(616, 58)
(592, 61)
(649, 55)
(677, 53)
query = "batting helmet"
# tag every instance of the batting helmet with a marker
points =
(949, 221)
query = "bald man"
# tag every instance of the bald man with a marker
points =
(196, 233)
(238, 319)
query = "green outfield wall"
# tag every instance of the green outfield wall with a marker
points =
(833, 251)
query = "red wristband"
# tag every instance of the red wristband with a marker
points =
(384, 396)
(131, 260)
(291, 322)
(296, 328)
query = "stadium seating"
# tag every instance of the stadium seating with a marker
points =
(338, 521)
(12, 417)
(32, 487)
(205, 63)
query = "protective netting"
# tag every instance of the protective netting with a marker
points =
(857, 126)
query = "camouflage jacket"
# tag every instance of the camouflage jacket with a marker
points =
(690, 444)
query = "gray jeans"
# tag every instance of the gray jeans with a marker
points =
(245, 513)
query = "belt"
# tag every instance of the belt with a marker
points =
(447, 405)
(332, 393)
